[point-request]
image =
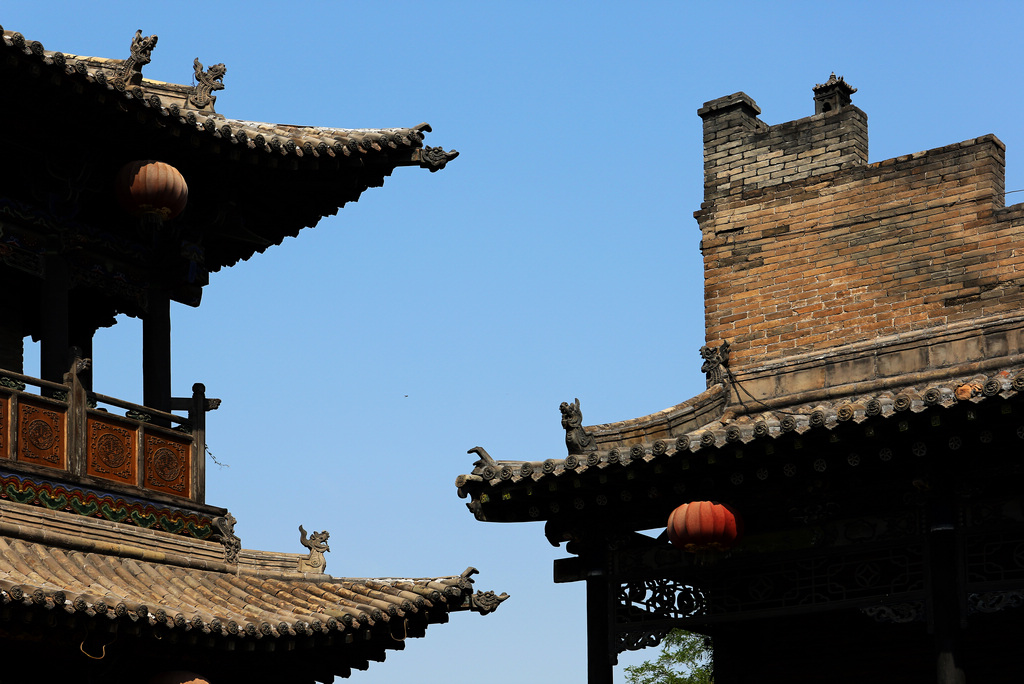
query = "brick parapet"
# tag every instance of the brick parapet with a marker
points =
(742, 152)
(801, 260)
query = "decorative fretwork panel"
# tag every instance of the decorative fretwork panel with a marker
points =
(41, 434)
(167, 464)
(646, 610)
(995, 558)
(817, 581)
(661, 599)
(112, 451)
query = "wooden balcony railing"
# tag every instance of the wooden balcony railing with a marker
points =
(66, 428)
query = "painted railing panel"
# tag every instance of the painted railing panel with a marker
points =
(63, 427)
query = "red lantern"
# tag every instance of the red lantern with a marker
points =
(704, 526)
(151, 187)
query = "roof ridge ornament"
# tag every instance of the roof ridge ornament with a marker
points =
(317, 545)
(577, 440)
(207, 81)
(482, 602)
(225, 534)
(716, 361)
(434, 158)
(130, 71)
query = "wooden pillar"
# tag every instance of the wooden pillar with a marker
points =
(197, 416)
(78, 435)
(600, 658)
(945, 594)
(156, 351)
(53, 317)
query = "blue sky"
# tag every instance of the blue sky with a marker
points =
(556, 258)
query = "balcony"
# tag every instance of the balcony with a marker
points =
(64, 432)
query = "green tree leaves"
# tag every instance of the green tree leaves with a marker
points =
(685, 658)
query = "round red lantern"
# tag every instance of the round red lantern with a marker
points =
(704, 526)
(151, 187)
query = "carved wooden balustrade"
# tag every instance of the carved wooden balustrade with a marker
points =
(65, 432)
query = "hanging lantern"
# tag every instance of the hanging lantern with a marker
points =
(151, 188)
(704, 526)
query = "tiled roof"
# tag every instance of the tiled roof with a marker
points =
(143, 592)
(652, 438)
(216, 603)
(172, 106)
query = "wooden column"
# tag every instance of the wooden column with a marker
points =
(53, 317)
(77, 448)
(156, 351)
(945, 593)
(600, 658)
(197, 416)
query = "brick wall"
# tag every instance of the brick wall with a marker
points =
(807, 246)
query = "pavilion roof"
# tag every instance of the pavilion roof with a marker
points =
(709, 427)
(60, 570)
(251, 184)
(171, 103)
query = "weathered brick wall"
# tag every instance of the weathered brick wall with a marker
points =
(807, 246)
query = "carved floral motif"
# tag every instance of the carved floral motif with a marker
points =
(41, 436)
(82, 502)
(167, 465)
(111, 453)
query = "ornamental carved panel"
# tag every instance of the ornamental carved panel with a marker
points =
(168, 465)
(111, 451)
(874, 572)
(41, 435)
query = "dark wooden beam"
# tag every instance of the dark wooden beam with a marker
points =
(53, 316)
(156, 351)
(600, 658)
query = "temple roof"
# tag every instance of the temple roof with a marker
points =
(216, 602)
(149, 589)
(632, 453)
(175, 105)
(79, 120)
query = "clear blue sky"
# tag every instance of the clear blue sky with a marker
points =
(556, 258)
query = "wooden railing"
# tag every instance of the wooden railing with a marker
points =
(66, 428)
